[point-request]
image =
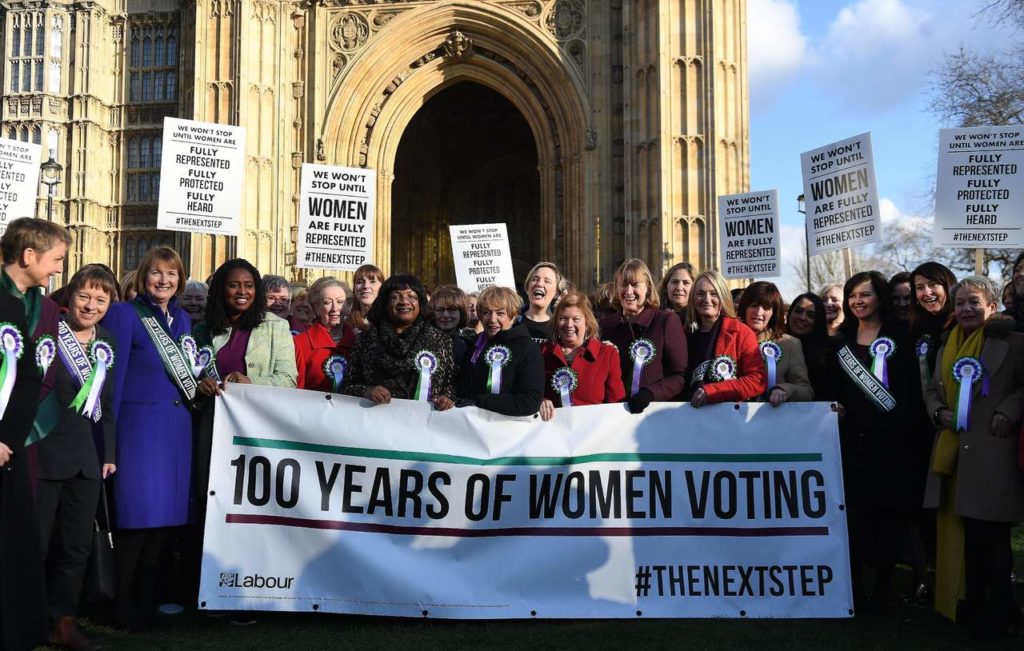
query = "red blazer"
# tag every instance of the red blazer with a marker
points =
(739, 342)
(312, 348)
(598, 368)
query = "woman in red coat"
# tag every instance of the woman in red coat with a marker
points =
(722, 350)
(321, 352)
(579, 369)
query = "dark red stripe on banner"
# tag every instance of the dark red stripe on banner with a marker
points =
(634, 532)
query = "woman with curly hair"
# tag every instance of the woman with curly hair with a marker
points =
(401, 355)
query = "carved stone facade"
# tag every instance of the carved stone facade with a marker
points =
(637, 110)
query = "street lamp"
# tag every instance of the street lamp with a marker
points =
(51, 171)
(801, 208)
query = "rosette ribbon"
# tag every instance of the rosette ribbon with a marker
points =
(334, 368)
(771, 353)
(966, 371)
(13, 347)
(190, 349)
(881, 350)
(642, 352)
(206, 359)
(87, 398)
(496, 357)
(723, 368)
(426, 362)
(46, 351)
(564, 381)
(921, 349)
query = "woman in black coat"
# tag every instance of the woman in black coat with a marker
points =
(401, 355)
(879, 398)
(504, 373)
(70, 468)
(22, 591)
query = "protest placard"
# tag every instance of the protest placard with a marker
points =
(748, 234)
(19, 180)
(723, 511)
(482, 256)
(202, 170)
(841, 195)
(337, 208)
(979, 193)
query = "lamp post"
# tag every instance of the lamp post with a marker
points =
(51, 171)
(802, 209)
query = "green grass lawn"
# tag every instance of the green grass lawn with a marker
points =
(906, 627)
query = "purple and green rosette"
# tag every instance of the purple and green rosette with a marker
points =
(46, 352)
(190, 349)
(496, 357)
(881, 350)
(207, 359)
(771, 353)
(564, 381)
(426, 363)
(723, 368)
(334, 368)
(966, 371)
(642, 351)
(87, 400)
(13, 347)
(921, 349)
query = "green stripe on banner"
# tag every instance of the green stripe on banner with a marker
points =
(429, 457)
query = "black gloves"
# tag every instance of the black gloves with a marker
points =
(638, 402)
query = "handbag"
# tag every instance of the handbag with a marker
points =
(100, 577)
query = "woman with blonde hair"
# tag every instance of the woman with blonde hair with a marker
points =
(832, 296)
(651, 342)
(723, 351)
(504, 373)
(542, 286)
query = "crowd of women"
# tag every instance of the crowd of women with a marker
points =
(925, 372)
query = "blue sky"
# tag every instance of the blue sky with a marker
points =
(824, 70)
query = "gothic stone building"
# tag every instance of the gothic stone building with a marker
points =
(596, 129)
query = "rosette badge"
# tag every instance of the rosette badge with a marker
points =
(496, 357)
(13, 347)
(46, 351)
(966, 371)
(191, 351)
(771, 353)
(642, 351)
(207, 360)
(723, 368)
(426, 363)
(88, 398)
(564, 381)
(334, 369)
(881, 350)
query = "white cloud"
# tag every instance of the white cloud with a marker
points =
(776, 46)
(872, 27)
(791, 241)
(891, 214)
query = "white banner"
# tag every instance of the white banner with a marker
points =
(482, 257)
(337, 506)
(979, 193)
(19, 180)
(336, 214)
(202, 170)
(840, 195)
(749, 234)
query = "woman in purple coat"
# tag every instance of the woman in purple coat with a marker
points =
(154, 386)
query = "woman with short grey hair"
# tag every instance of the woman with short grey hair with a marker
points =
(279, 295)
(975, 400)
(193, 300)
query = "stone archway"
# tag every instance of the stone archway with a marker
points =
(378, 95)
(467, 157)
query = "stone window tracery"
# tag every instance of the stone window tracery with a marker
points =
(143, 178)
(153, 64)
(28, 48)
